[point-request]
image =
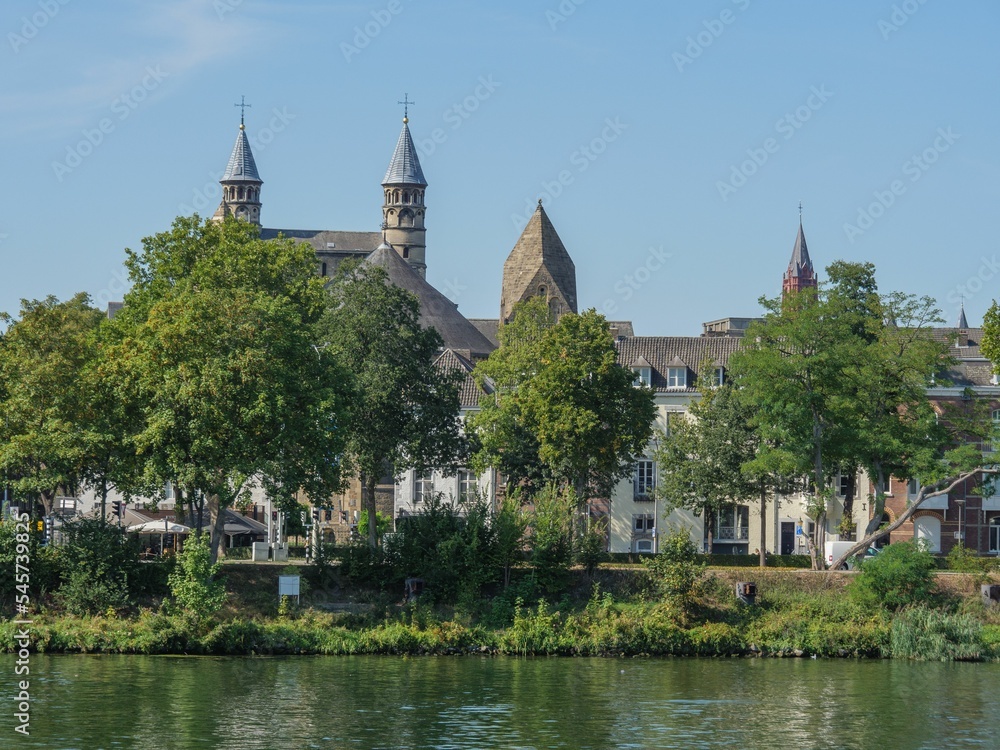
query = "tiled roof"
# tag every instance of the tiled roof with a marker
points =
(404, 169)
(329, 241)
(489, 326)
(241, 164)
(972, 369)
(664, 352)
(469, 392)
(436, 310)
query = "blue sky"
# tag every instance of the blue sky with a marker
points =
(671, 141)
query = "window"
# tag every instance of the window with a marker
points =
(168, 491)
(643, 376)
(644, 479)
(423, 487)
(719, 377)
(677, 377)
(844, 485)
(995, 535)
(468, 486)
(913, 487)
(643, 545)
(642, 524)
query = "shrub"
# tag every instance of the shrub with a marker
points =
(675, 571)
(100, 567)
(192, 582)
(551, 538)
(977, 569)
(899, 576)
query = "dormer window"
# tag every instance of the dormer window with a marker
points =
(643, 376)
(676, 377)
(719, 377)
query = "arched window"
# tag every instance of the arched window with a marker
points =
(928, 530)
(323, 270)
(406, 196)
(406, 252)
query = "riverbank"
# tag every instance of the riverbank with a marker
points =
(797, 614)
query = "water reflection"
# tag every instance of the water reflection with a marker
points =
(453, 703)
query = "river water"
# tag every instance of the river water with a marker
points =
(95, 702)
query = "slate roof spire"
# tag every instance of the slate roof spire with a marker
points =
(241, 164)
(404, 167)
(240, 182)
(963, 322)
(800, 274)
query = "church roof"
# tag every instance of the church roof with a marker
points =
(329, 241)
(404, 169)
(539, 253)
(800, 264)
(241, 164)
(436, 310)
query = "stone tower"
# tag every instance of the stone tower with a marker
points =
(538, 266)
(403, 206)
(240, 183)
(800, 274)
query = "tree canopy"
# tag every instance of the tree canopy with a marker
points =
(405, 410)
(560, 408)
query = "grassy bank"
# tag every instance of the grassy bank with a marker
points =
(612, 613)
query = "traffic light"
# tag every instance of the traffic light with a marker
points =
(274, 516)
(315, 515)
(116, 508)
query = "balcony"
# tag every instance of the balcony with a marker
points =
(733, 533)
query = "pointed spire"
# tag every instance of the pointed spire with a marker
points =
(404, 168)
(241, 164)
(800, 273)
(963, 322)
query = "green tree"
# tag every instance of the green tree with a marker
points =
(46, 439)
(216, 351)
(405, 408)
(561, 409)
(714, 458)
(100, 568)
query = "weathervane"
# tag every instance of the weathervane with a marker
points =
(243, 106)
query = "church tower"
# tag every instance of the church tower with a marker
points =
(403, 206)
(240, 183)
(538, 266)
(800, 274)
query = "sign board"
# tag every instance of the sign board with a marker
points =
(288, 586)
(798, 531)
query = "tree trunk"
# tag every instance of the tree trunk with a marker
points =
(763, 526)
(878, 507)
(217, 518)
(368, 501)
(710, 531)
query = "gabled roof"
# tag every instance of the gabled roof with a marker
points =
(664, 352)
(329, 241)
(404, 168)
(469, 392)
(436, 310)
(241, 164)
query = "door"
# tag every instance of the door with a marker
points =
(787, 537)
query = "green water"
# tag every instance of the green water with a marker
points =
(92, 702)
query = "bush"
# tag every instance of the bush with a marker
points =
(192, 582)
(675, 571)
(551, 538)
(977, 569)
(100, 567)
(899, 576)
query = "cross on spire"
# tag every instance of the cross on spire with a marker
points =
(800, 212)
(243, 106)
(406, 107)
